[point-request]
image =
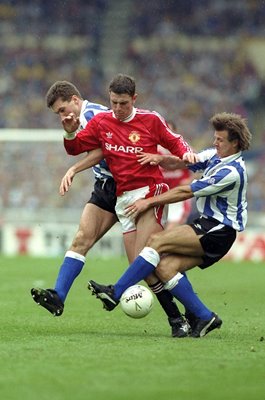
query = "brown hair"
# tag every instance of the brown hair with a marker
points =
(235, 125)
(122, 84)
(61, 89)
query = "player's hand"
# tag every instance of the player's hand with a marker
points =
(136, 208)
(70, 123)
(66, 181)
(190, 158)
(149, 158)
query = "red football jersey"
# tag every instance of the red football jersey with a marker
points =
(120, 141)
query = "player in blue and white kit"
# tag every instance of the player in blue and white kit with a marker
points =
(222, 205)
(98, 216)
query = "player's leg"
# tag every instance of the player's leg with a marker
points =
(201, 318)
(146, 263)
(97, 218)
(129, 240)
(94, 223)
(215, 240)
(203, 245)
(179, 240)
(136, 233)
(148, 224)
(148, 260)
(200, 245)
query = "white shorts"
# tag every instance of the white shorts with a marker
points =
(127, 198)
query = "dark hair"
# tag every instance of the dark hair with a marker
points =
(235, 125)
(61, 89)
(122, 84)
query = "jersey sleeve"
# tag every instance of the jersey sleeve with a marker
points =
(224, 179)
(204, 158)
(172, 141)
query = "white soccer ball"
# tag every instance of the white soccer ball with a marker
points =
(137, 301)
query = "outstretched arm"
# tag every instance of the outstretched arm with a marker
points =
(92, 158)
(175, 195)
(168, 162)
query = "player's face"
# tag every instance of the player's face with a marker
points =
(64, 108)
(122, 105)
(223, 146)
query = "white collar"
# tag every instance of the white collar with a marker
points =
(129, 118)
(83, 106)
(233, 157)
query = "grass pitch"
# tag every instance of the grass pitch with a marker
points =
(89, 353)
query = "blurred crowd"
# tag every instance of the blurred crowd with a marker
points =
(217, 18)
(194, 84)
(176, 50)
(44, 41)
(31, 173)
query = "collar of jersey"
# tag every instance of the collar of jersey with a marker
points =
(83, 106)
(131, 116)
(233, 157)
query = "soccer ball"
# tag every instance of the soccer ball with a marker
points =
(137, 301)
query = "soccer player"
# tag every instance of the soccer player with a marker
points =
(98, 215)
(122, 133)
(221, 201)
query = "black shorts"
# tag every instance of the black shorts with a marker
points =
(104, 195)
(216, 241)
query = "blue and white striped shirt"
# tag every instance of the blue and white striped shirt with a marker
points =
(88, 110)
(221, 191)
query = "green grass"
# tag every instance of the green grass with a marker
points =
(88, 353)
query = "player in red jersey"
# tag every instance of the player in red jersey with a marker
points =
(123, 133)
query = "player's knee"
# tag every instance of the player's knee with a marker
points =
(153, 242)
(82, 242)
(167, 268)
(162, 271)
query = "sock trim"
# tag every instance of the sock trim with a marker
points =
(157, 287)
(76, 256)
(169, 285)
(150, 255)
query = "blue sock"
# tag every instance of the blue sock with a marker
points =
(140, 268)
(70, 269)
(184, 292)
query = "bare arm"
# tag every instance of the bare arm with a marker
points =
(92, 158)
(172, 196)
(168, 162)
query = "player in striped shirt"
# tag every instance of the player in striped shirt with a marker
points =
(99, 213)
(221, 200)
